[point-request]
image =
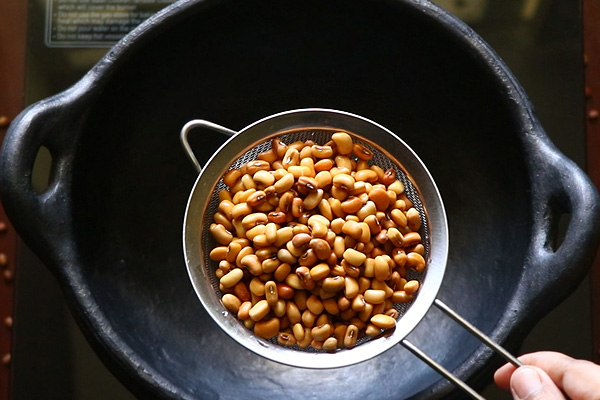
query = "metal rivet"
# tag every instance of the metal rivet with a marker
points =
(8, 322)
(3, 227)
(6, 359)
(4, 121)
(3, 260)
(593, 114)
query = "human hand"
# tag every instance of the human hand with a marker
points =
(547, 375)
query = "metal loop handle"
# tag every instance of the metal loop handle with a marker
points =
(477, 333)
(195, 124)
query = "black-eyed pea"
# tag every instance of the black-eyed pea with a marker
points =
(419, 248)
(399, 256)
(271, 293)
(315, 305)
(219, 273)
(298, 331)
(260, 310)
(293, 313)
(285, 183)
(279, 309)
(411, 286)
(240, 210)
(348, 314)
(252, 264)
(222, 219)
(372, 330)
(352, 229)
(366, 313)
(249, 323)
(400, 296)
(257, 287)
(301, 170)
(310, 163)
(297, 208)
(381, 269)
(301, 240)
(233, 250)
(306, 153)
(343, 142)
(282, 271)
(349, 269)
(323, 178)
(365, 237)
(366, 175)
(395, 237)
(411, 239)
(303, 274)
(220, 234)
(358, 303)
(308, 259)
(383, 321)
(278, 147)
(382, 285)
(248, 184)
(244, 310)
(231, 278)
(257, 198)
(294, 282)
(351, 205)
(398, 217)
(321, 248)
(284, 235)
(350, 287)
(295, 251)
(268, 156)
(323, 165)
(240, 289)
(369, 267)
(232, 177)
(354, 257)
(322, 151)
(267, 329)
(231, 302)
(397, 186)
(343, 181)
(338, 270)
(320, 271)
(415, 261)
(321, 332)
(333, 284)
(286, 339)
(330, 344)
(414, 219)
(308, 319)
(251, 220)
(260, 241)
(312, 200)
(306, 184)
(256, 165)
(350, 336)
(291, 157)
(339, 332)
(374, 296)
(286, 257)
(218, 253)
(336, 209)
(337, 225)
(362, 152)
(277, 217)
(331, 306)
(380, 197)
(307, 340)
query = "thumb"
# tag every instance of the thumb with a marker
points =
(532, 383)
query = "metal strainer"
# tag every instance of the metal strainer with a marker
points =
(389, 152)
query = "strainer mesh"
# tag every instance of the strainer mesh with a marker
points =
(320, 137)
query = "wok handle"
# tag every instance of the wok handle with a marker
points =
(197, 123)
(560, 189)
(42, 218)
(473, 330)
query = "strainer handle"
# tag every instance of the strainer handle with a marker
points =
(477, 333)
(197, 123)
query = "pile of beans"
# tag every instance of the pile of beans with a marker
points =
(314, 244)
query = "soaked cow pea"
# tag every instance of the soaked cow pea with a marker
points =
(314, 244)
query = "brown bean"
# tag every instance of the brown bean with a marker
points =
(267, 329)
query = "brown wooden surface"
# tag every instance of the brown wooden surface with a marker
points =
(591, 27)
(12, 70)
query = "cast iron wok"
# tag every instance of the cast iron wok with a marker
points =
(109, 225)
